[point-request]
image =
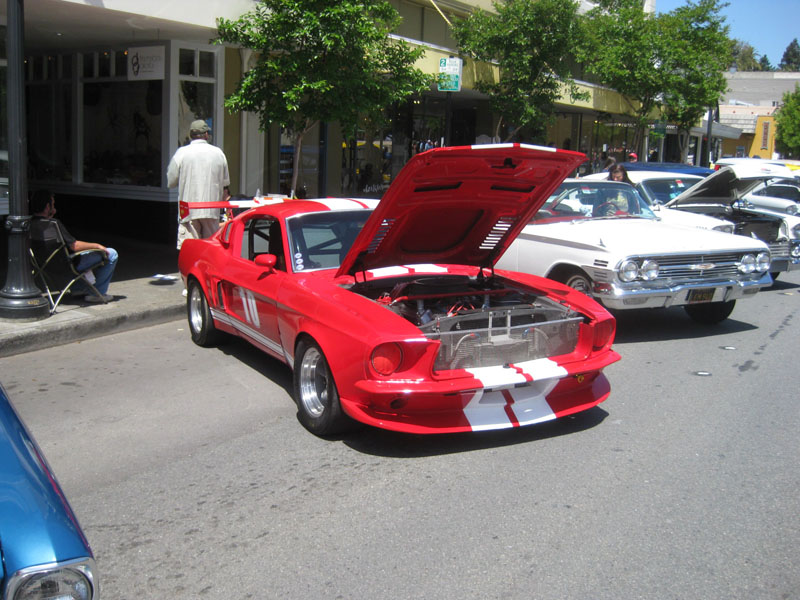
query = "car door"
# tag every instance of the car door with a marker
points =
(250, 291)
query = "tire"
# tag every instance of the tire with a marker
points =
(578, 280)
(315, 393)
(711, 313)
(201, 324)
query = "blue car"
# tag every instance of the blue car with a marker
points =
(43, 552)
(672, 167)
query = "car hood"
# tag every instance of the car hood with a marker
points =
(629, 236)
(726, 186)
(460, 205)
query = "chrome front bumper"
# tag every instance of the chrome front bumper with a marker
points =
(614, 296)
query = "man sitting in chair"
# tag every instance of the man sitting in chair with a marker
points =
(43, 206)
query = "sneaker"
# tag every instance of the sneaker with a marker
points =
(95, 299)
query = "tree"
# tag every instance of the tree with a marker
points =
(791, 57)
(693, 64)
(621, 45)
(673, 59)
(787, 118)
(764, 64)
(744, 57)
(527, 40)
(321, 61)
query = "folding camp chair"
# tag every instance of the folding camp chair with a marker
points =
(55, 268)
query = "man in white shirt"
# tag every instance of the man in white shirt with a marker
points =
(200, 171)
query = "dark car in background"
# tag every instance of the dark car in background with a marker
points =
(45, 555)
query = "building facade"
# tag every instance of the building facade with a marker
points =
(111, 88)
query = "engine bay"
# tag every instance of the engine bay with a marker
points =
(480, 321)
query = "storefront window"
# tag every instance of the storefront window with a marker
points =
(195, 101)
(49, 128)
(122, 132)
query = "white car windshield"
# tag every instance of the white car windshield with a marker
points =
(595, 200)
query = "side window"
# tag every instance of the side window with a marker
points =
(263, 236)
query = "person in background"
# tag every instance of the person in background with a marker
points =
(633, 157)
(619, 173)
(200, 171)
(42, 205)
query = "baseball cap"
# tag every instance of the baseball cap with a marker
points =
(633, 155)
(199, 126)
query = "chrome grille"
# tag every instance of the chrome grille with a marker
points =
(697, 267)
(779, 249)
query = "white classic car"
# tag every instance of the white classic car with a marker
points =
(728, 193)
(659, 187)
(600, 237)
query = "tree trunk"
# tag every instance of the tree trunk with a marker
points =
(298, 147)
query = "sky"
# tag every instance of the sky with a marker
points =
(767, 25)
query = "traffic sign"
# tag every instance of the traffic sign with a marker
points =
(450, 74)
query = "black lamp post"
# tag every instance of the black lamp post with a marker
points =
(20, 298)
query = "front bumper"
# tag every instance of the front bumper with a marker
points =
(484, 399)
(639, 295)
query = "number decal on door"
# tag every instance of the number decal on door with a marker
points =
(250, 309)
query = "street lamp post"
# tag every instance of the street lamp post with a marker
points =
(19, 298)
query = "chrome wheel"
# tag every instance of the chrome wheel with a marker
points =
(579, 282)
(315, 392)
(196, 309)
(201, 324)
(313, 380)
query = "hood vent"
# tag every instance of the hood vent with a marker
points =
(499, 229)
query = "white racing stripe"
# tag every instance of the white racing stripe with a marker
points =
(513, 396)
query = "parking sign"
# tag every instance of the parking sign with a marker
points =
(450, 74)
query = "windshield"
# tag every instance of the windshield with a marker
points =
(594, 200)
(321, 240)
(661, 191)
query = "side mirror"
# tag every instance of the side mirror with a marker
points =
(267, 261)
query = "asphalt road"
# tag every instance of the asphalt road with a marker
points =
(193, 479)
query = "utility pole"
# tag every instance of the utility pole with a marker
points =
(20, 298)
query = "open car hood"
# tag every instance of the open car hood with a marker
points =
(728, 185)
(459, 205)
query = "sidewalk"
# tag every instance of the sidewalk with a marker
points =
(140, 299)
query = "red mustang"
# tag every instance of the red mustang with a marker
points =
(396, 317)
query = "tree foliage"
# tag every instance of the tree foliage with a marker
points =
(694, 64)
(672, 60)
(744, 57)
(791, 57)
(321, 60)
(787, 136)
(528, 40)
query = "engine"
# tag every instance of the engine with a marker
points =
(483, 322)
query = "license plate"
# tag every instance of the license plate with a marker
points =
(700, 295)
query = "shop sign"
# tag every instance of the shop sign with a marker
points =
(146, 62)
(450, 74)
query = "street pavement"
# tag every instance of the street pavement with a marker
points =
(146, 287)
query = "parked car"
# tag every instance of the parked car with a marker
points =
(396, 317)
(43, 549)
(601, 238)
(659, 187)
(669, 167)
(728, 194)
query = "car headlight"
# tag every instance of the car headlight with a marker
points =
(796, 232)
(386, 358)
(628, 271)
(792, 209)
(649, 270)
(65, 581)
(725, 228)
(795, 250)
(747, 264)
(763, 262)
